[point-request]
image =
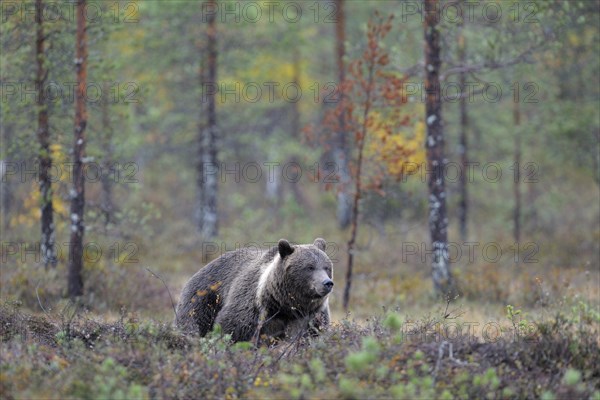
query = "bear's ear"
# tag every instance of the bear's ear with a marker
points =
(285, 248)
(320, 244)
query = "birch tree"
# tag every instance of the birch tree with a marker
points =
(47, 249)
(434, 144)
(75, 278)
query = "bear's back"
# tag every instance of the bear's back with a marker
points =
(222, 271)
(208, 289)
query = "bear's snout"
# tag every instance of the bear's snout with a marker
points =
(328, 284)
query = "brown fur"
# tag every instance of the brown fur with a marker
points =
(291, 297)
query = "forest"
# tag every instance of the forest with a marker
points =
(448, 151)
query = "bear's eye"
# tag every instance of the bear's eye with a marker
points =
(311, 267)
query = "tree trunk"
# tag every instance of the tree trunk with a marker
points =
(596, 158)
(208, 169)
(75, 279)
(517, 175)
(531, 216)
(295, 187)
(361, 138)
(438, 220)
(199, 209)
(295, 108)
(358, 188)
(6, 192)
(463, 205)
(273, 186)
(340, 152)
(45, 157)
(106, 203)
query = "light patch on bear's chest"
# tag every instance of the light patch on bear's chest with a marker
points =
(264, 276)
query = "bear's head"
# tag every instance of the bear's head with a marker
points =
(308, 270)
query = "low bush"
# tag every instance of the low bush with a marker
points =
(70, 354)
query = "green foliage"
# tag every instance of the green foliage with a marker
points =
(393, 322)
(521, 327)
(547, 395)
(571, 377)
(110, 383)
(128, 359)
(364, 359)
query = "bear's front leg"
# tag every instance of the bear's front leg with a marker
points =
(297, 328)
(321, 320)
(269, 327)
(241, 324)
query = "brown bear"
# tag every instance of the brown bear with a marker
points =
(280, 292)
